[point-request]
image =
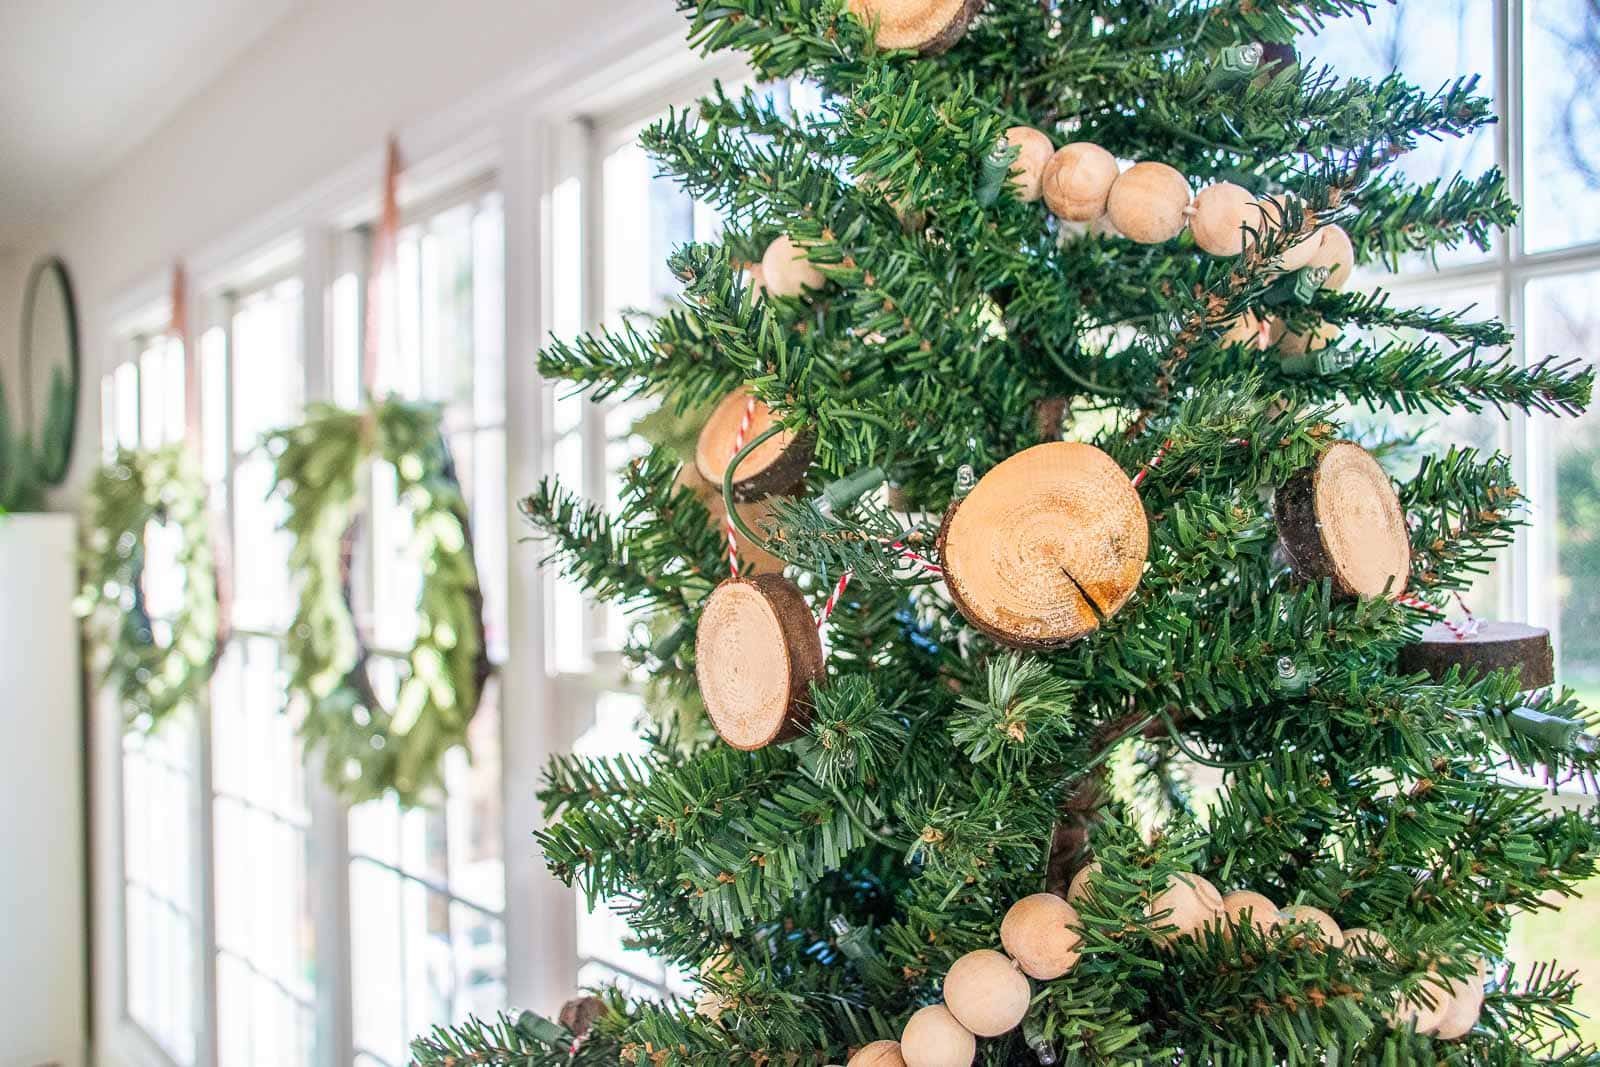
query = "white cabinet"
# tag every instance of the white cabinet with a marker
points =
(43, 878)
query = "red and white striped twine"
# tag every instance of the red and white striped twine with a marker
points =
(727, 521)
(899, 547)
(1460, 633)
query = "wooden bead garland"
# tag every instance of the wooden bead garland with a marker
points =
(786, 271)
(1305, 913)
(1034, 152)
(878, 1054)
(1148, 203)
(1039, 932)
(933, 1038)
(1243, 906)
(1077, 181)
(1221, 214)
(986, 992)
(1190, 903)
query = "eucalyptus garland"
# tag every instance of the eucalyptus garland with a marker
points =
(369, 749)
(157, 669)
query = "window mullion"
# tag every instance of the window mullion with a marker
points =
(329, 840)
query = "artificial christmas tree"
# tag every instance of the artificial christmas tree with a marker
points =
(1130, 539)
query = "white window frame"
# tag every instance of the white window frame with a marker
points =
(1524, 591)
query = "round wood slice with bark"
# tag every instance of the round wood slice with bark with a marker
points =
(1482, 648)
(1045, 546)
(929, 26)
(756, 655)
(1340, 518)
(775, 467)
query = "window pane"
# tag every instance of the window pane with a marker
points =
(268, 375)
(266, 953)
(1561, 154)
(1431, 43)
(160, 931)
(1562, 318)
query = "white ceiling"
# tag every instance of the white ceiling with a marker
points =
(82, 82)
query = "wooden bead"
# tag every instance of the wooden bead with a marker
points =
(1078, 180)
(757, 654)
(757, 281)
(1335, 252)
(1274, 212)
(1298, 344)
(878, 1054)
(1147, 203)
(776, 466)
(1049, 542)
(1038, 933)
(986, 993)
(1079, 887)
(1360, 941)
(1463, 1006)
(1492, 646)
(1305, 913)
(1246, 330)
(1191, 902)
(1340, 518)
(1243, 906)
(933, 1038)
(1414, 1011)
(786, 271)
(1034, 152)
(929, 26)
(1222, 214)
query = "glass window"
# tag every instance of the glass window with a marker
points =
(1562, 318)
(428, 885)
(1561, 139)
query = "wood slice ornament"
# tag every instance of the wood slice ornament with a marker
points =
(928, 26)
(757, 654)
(1340, 518)
(776, 466)
(1047, 543)
(1482, 648)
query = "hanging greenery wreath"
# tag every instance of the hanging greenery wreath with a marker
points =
(370, 749)
(156, 668)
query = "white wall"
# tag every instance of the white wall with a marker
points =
(12, 277)
(312, 102)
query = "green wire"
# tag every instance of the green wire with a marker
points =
(727, 493)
